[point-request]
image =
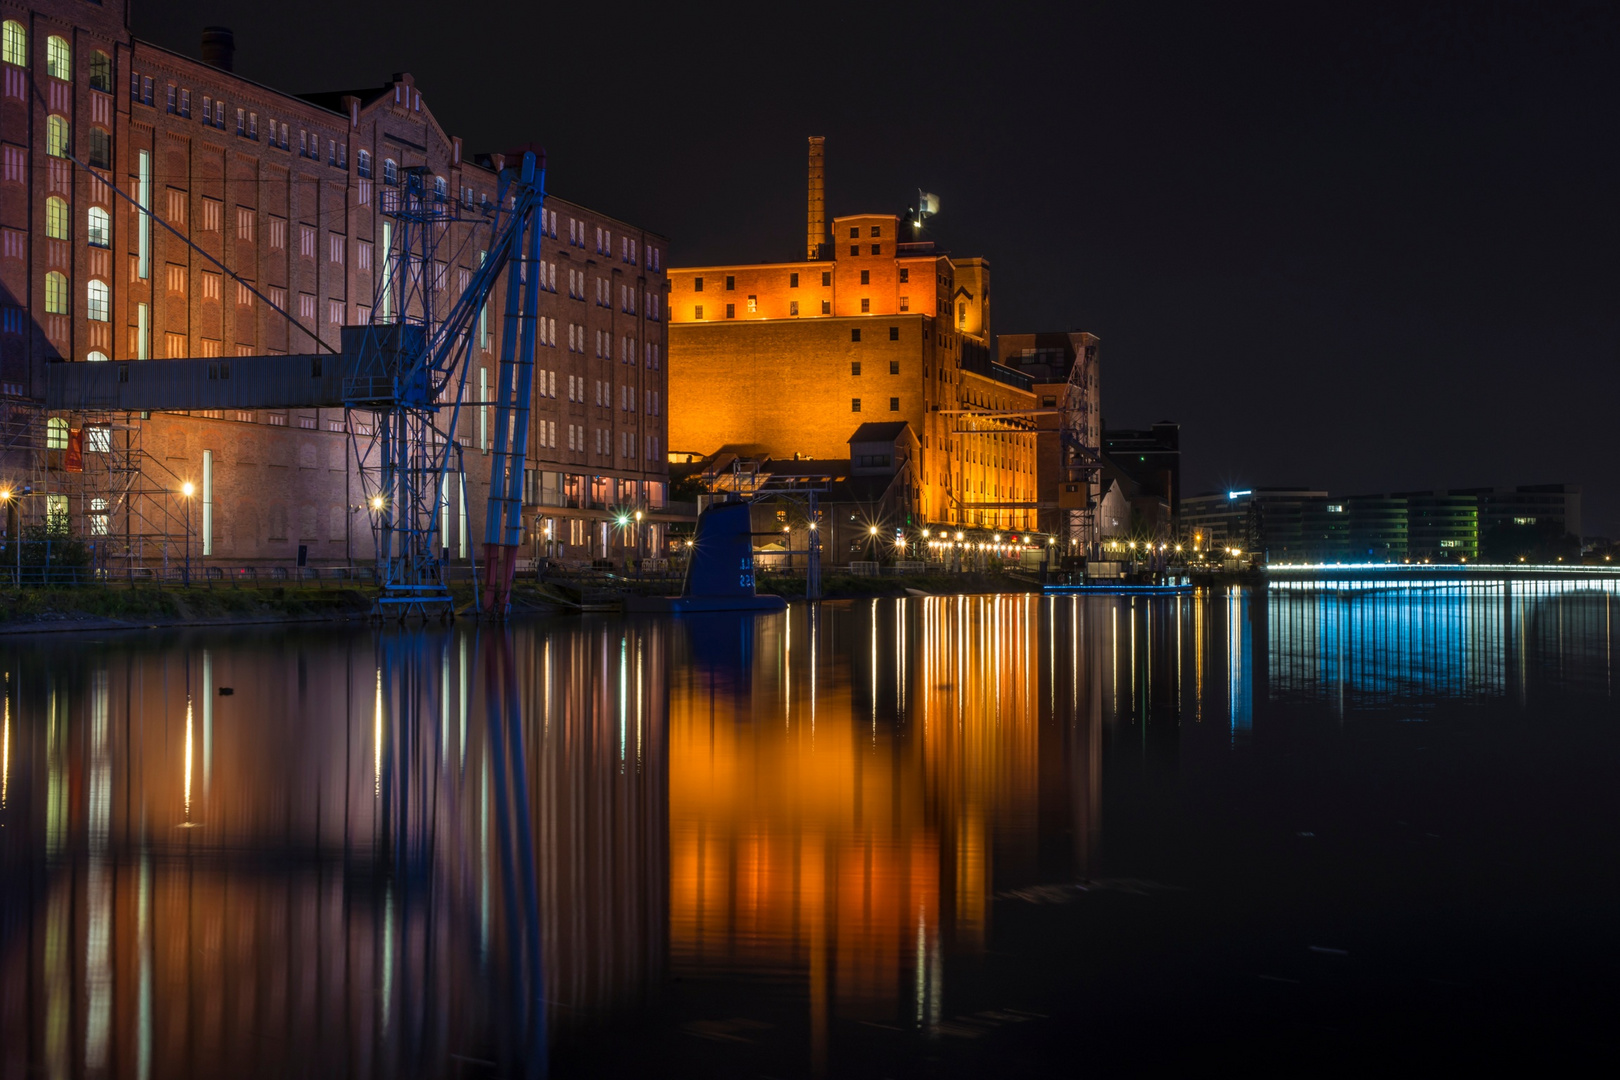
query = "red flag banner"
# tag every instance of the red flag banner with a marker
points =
(74, 460)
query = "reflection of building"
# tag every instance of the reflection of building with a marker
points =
(285, 192)
(192, 878)
(787, 359)
(839, 801)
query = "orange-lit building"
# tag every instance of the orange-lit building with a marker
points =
(785, 359)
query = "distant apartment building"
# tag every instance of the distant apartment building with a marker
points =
(1459, 525)
(251, 222)
(781, 359)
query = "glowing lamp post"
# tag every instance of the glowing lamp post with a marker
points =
(188, 489)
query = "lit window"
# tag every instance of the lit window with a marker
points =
(58, 58)
(98, 301)
(56, 218)
(793, 307)
(697, 311)
(56, 294)
(14, 43)
(905, 303)
(753, 303)
(56, 136)
(56, 433)
(97, 357)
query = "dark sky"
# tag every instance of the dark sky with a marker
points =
(1365, 247)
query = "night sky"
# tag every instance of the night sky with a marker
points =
(1360, 246)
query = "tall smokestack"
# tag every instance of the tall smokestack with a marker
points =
(816, 231)
(219, 47)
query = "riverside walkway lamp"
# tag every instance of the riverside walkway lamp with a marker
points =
(188, 489)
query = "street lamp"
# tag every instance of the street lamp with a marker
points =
(188, 489)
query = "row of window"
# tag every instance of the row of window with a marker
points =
(58, 56)
(855, 404)
(855, 367)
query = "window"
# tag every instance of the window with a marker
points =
(98, 300)
(253, 125)
(894, 333)
(854, 232)
(905, 303)
(866, 277)
(58, 58)
(731, 311)
(905, 275)
(854, 249)
(697, 311)
(793, 307)
(99, 231)
(14, 43)
(855, 335)
(278, 234)
(753, 304)
(337, 252)
(793, 281)
(866, 305)
(175, 348)
(363, 164)
(826, 307)
(731, 282)
(56, 433)
(877, 249)
(56, 218)
(894, 367)
(241, 121)
(56, 294)
(101, 72)
(854, 404)
(854, 367)
(97, 357)
(697, 284)
(961, 311)
(56, 136)
(176, 279)
(100, 148)
(212, 213)
(390, 172)
(894, 404)
(245, 219)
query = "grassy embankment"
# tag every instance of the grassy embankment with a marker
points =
(49, 608)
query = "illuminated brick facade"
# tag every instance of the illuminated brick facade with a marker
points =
(286, 193)
(786, 358)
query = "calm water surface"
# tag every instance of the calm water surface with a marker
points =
(936, 836)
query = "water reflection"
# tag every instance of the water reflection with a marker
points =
(437, 853)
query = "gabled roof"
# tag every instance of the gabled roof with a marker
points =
(875, 432)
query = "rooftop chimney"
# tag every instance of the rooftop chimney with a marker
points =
(219, 47)
(816, 230)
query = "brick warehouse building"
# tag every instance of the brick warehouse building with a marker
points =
(785, 359)
(285, 192)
